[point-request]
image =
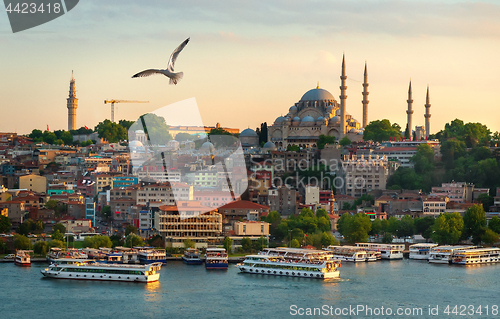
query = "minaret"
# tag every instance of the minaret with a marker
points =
(343, 98)
(72, 104)
(410, 113)
(365, 99)
(427, 115)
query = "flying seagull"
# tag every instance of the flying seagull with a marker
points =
(169, 71)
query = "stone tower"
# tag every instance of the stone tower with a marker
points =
(72, 104)
(365, 99)
(410, 113)
(343, 98)
(427, 115)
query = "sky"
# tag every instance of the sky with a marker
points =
(249, 61)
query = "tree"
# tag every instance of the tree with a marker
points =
(97, 241)
(381, 130)
(260, 243)
(423, 226)
(474, 223)
(228, 242)
(106, 213)
(494, 224)
(357, 228)
(5, 224)
(133, 240)
(406, 227)
(125, 124)
(424, 159)
(130, 229)
(327, 239)
(246, 244)
(387, 239)
(183, 137)
(57, 235)
(489, 237)
(295, 243)
(392, 225)
(486, 200)
(21, 242)
(41, 247)
(60, 227)
(188, 243)
(262, 132)
(346, 206)
(376, 227)
(447, 228)
(156, 241)
(345, 141)
(293, 148)
(112, 132)
(324, 140)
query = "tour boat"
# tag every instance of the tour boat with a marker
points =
(421, 251)
(442, 254)
(192, 257)
(216, 258)
(292, 262)
(387, 251)
(91, 270)
(23, 258)
(348, 253)
(57, 253)
(476, 256)
(151, 255)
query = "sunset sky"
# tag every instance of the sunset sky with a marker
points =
(249, 61)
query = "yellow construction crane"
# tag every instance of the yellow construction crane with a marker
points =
(119, 101)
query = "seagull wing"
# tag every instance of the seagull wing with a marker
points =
(174, 55)
(147, 73)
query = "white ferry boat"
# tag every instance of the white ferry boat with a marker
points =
(192, 257)
(349, 253)
(23, 258)
(421, 251)
(387, 251)
(149, 255)
(292, 262)
(216, 258)
(476, 256)
(442, 254)
(99, 271)
(58, 253)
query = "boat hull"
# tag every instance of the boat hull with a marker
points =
(289, 273)
(98, 277)
(147, 262)
(419, 256)
(220, 265)
(192, 261)
(22, 264)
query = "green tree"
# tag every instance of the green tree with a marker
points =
(406, 227)
(182, 137)
(345, 141)
(246, 244)
(56, 243)
(188, 243)
(36, 135)
(381, 130)
(293, 148)
(423, 226)
(474, 223)
(494, 224)
(133, 240)
(130, 229)
(424, 159)
(5, 224)
(21, 242)
(387, 239)
(157, 241)
(59, 227)
(447, 228)
(112, 132)
(295, 243)
(126, 124)
(346, 206)
(392, 225)
(376, 227)
(324, 140)
(41, 248)
(57, 235)
(260, 243)
(49, 137)
(98, 241)
(228, 242)
(489, 237)
(327, 239)
(486, 200)
(357, 228)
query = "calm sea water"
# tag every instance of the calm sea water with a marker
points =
(193, 292)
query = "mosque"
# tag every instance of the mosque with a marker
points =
(318, 113)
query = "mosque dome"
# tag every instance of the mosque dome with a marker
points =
(135, 144)
(337, 112)
(308, 119)
(269, 145)
(248, 133)
(296, 119)
(336, 119)
(320, 118)
(293, 109)
(207, 146)
(139, 132)
(317, 94)
(279, 119)
(329, 109)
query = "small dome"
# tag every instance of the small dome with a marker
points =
(279, 119)
(320, 118)
(308, 119)
(360, 132)
(139, 132)
(135, 144)
(296, 119)
(329, 108)
(336, 119)
(248, 132)
(293, 109)
(317, 95)
(337, 112)
(207, 145)
(269, 145)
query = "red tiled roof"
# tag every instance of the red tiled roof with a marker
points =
(243, 204)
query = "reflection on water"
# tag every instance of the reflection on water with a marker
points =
(153, 290)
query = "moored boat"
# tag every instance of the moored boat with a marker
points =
(149, 255)
(216, 258)
(192, 257)
(387, 251)
(421, 251)
(292, 262)
(443, 254)
(91, 270)
(348, 253)
(476, 256)
(23, 258)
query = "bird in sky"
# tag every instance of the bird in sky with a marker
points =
(169, 71)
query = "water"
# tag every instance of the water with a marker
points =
(193, 292)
